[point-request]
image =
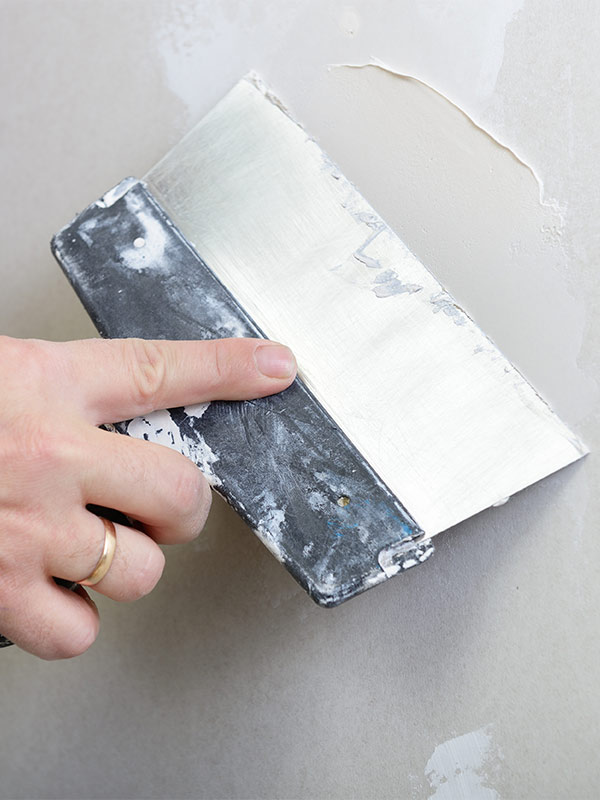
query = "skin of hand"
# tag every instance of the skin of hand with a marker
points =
(54, 461)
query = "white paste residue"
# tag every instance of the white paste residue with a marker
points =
(317, 500)
(147, 249)
(441, 301)
(159, 427)
(197, 410)
(502, 502)
(388, 283)
(403, 556)
(375, 62)
(86, 230)
(227, 323)
(114, 194)
(272, 517)
(461, 768)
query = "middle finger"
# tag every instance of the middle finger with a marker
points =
(149, 482)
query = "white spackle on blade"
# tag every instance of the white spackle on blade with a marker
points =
(116, 193)
(442, 301)
(502, 502)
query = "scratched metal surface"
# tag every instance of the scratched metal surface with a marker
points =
(280, 461)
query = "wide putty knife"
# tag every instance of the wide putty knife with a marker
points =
(405, 418)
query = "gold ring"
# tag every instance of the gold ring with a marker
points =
(103, 565)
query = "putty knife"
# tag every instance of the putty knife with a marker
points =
(405, 418)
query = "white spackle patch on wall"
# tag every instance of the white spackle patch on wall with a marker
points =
(377, 64)
(159, 427)
(462, 768)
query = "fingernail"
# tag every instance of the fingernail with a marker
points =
(275, 360)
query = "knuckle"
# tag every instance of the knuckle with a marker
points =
(188, 490)
(146, 575)
(38, 443)
(79, 640)
(147, 368)
(219, 360)
(32, 357)
(192, 499)
(12, 348)
(224, 365)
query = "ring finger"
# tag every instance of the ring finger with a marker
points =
(135, 569)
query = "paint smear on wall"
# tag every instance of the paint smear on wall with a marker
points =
(464, 767)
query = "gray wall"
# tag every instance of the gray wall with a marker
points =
(474, 675)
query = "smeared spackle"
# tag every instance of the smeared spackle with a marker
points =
(255, 79)
(151, 232)
(359, 253)
(403, 555)
(372, 263)
(331, 482)
(227, 324)
(197, 410)
(387, 284)
(86, 230)
(331, 167)
(159, 427)
(318, 501)
(114, 194)
(463, 767)
(501, 502)
(328, 582)
(443, 302)
(272, 517)
(360, 214)
(378, 64)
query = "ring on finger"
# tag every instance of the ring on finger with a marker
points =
(108, 553)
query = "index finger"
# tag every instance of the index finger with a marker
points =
(123, 378)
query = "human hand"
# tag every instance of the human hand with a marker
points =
(54, 461)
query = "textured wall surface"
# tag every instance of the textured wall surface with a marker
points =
(473, 675)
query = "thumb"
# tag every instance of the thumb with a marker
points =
(123, 378)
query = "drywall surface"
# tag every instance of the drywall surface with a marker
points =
(473, 675)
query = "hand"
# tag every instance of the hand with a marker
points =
(54, 461)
